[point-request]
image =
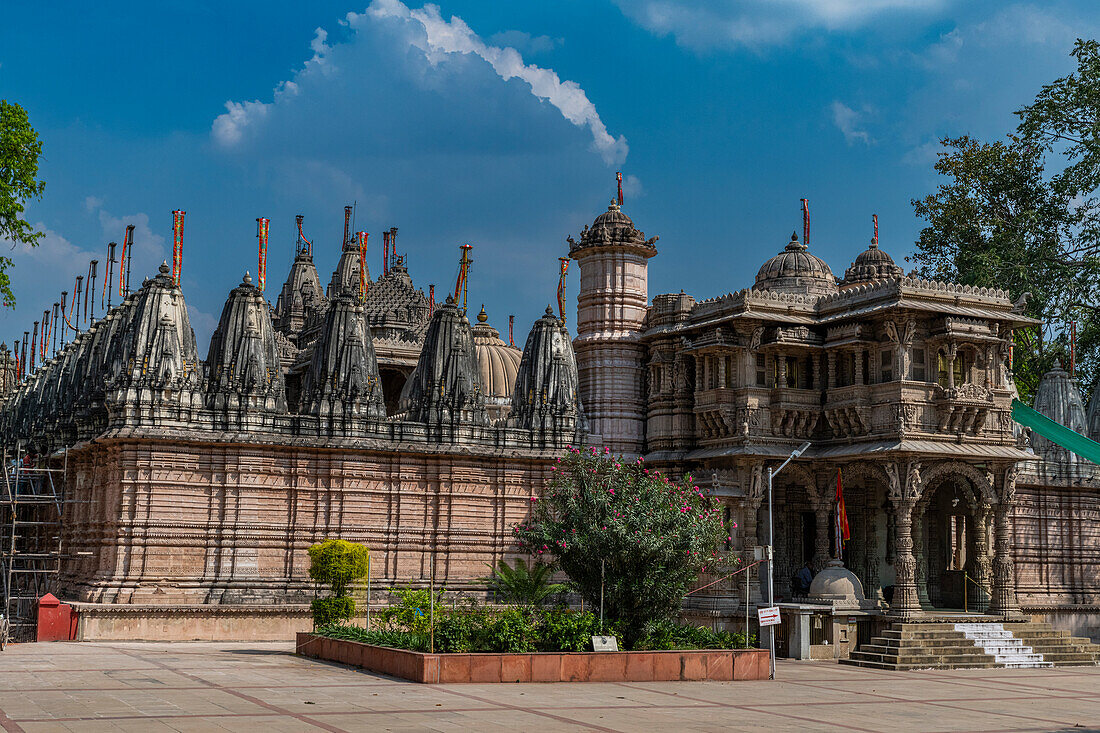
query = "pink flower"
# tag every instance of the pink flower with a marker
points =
(606, 450)
(534, 498)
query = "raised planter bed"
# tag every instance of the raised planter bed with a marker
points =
(708, 664)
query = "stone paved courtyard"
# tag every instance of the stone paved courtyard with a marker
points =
(261, 686)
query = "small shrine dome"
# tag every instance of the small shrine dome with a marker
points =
(498, 365)
(795, 270)
(872, 264)
(838, 585)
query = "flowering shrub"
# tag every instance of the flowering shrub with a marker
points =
(654, 535)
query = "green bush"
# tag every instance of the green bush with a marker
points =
(521, 585)
(332, 610)
(338, 563)
(568, 631)
(527, 630)
(637, 534)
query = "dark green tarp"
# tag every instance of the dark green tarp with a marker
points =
(1052, 431)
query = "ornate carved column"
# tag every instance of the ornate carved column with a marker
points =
(1004, 570)
(904, 493)
(952, 351)
(816, 383)
(857, 369)
(920, 554)
(981, 569)
(721, 371)
(780, 370)
(831, 358)
(821, 535)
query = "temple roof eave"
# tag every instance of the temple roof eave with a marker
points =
(883, 448)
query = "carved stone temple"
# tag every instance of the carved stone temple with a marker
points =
(196, 485)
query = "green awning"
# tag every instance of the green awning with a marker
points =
(1052, 431)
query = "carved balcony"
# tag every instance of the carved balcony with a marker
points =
(848, 410)
(795, 413)
(963, 409)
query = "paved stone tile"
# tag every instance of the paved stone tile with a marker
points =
(191, 687)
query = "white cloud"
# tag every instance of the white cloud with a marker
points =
(525, 42)
(759, 23)
(445, 45)
(848, 121)
(203, 324)
(91, 203)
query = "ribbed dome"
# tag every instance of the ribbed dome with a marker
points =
(872, 264)
(795, 270)
(498, 364)
(613, 218)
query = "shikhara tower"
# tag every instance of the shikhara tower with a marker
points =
(611, 309)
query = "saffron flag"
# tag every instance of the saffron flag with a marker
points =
(842, 533)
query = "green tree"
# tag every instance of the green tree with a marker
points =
(1022, 214)
(338, 563)
(522, 585)
(19, 152)
(997, 222)
(652, 536)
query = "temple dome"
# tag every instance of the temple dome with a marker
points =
(1058, 399)
(838, 585)
(795, 270)
(872, 264)
(613, 218)
(498, 364)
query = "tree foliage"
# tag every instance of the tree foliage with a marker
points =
(19, 152)
(652, 535)
(1022, 214)
(338, 563)
(521, 585)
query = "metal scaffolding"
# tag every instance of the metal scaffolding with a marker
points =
(32, 507)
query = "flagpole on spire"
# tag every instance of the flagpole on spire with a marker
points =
(874, 239)
(619, 180)
(362, 265)
(177, 245)
(806, 222)
(262, 228)
(561, 288)
(431, 300)
(461, 288)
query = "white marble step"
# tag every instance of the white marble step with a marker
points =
(999, 643)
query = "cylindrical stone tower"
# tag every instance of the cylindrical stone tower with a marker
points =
(611, 307)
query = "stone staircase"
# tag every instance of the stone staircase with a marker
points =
(974, 644)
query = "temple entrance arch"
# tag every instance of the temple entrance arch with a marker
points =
(951, 526)
(869, 553)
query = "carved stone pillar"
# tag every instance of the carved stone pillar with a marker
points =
(816, 383)
(857, 369)
(721, 371)
(951, 353)
(921, 556)
(905, 602)
(831, 357)
(1004, 570)
(821, 536)
(980, 567)
(905, 490)
(780, 370)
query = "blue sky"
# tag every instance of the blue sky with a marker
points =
(502, 124)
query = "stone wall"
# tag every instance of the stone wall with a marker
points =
(1056, 542)
(198, 522)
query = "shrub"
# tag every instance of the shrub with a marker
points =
(522, 585)
(568, 631)
(332, 610)
(654, 536)
(524, 630)
(338, 563)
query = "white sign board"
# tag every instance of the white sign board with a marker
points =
(768, 616)
(605, 644)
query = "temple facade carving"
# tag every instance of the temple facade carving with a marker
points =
(375, 414)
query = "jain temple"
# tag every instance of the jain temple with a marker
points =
(195, 480)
